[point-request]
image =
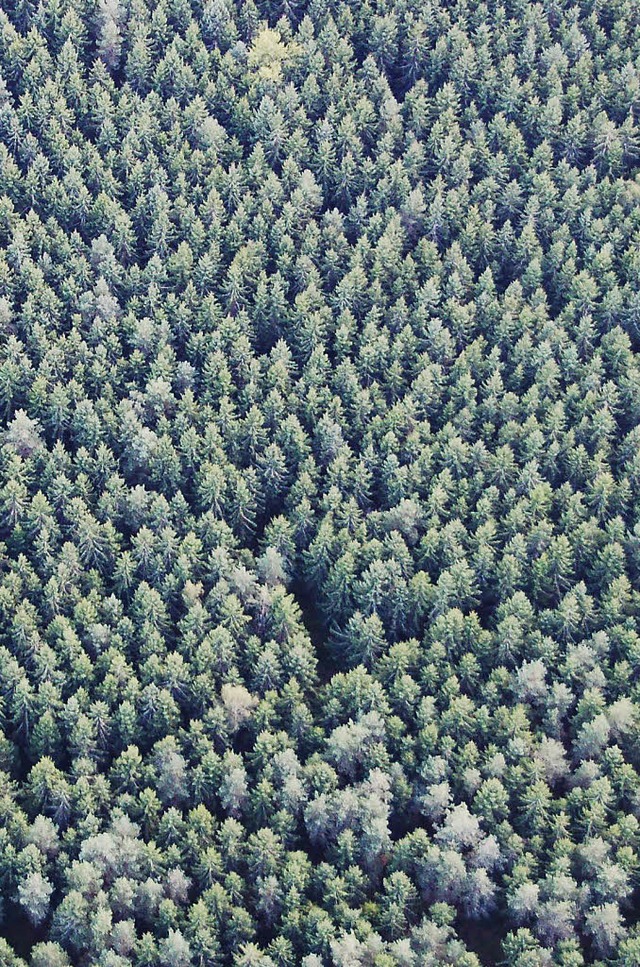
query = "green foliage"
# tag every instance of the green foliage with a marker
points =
(319, 483)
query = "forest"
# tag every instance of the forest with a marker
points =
(319, 483)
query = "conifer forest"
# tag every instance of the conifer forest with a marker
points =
(319, 483)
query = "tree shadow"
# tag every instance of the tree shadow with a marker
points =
(19, 932)
(484, 938)
(315, 626)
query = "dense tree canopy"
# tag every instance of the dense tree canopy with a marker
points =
(319, 483)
